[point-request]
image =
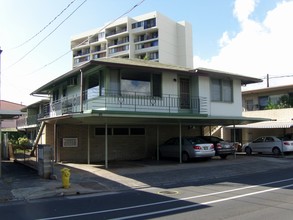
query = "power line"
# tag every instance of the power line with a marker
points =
(275, 77)
(53, 61)
(45, 26)
(46, 36)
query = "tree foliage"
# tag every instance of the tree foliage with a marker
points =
(283, 102)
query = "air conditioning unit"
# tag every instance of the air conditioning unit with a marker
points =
(72, 81)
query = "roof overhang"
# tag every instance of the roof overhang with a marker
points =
(224, 75)
(97, 117)
(9, 114)
(143, 65)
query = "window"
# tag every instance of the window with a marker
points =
(137, 131)
(101, 35)
(270, 139)
(136, 25)
(141, 84)
(101, 131)
(120, 131)
(249, 105)
(259, 140)
(55, 95)
(157, 85)
(64, 91)
(221, 90)
(149, 23)
(263, 102)
(95, 85)
(132, 83)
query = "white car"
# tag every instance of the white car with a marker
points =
(269, 145)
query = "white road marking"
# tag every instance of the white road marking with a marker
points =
(201, 204)
(183, 199)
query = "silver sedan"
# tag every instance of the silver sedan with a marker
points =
(192, 147)
(269, 145)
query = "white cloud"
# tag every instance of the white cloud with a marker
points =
(261, 47)
(243, 8)
(225, 39)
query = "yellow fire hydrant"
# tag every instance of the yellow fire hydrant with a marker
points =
(65, 177)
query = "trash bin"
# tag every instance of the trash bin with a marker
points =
(65, 177)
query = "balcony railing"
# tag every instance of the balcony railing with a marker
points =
(27, 121)
(129, 102)
(116, 31)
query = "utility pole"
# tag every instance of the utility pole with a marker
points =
(0, 122)
(268, 80)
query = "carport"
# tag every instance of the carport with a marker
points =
(96, 117)
(272, 127)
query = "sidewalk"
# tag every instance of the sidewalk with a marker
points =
(20, 182)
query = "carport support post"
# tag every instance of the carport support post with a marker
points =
(106, 146)
(158, 151)
(234, 138)
(81, 98)
(88, 145)
(180, 143)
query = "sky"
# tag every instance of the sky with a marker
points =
(247, 37)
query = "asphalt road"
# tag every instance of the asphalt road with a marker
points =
(266, 195)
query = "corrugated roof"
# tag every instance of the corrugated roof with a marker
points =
(268, 124)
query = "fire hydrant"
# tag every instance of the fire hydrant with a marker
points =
(65, 177)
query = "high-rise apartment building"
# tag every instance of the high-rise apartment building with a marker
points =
(151, 36)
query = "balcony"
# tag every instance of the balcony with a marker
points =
(129, 102)
(115, 31)
(146, 37)
(27, 121)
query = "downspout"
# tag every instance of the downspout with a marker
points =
(81, 85)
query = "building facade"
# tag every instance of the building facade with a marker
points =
(123, 109)
(273, 103)
(151, 36)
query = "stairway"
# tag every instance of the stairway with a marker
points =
(36, 141)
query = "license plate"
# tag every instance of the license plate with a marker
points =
(205, 148)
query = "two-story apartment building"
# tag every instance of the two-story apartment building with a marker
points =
(275, 103)
(122, 109)
(151, 36)
(28, 122)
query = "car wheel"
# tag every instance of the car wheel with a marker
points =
(276, 151)
(248, 150)
(223, 156)
(185, 157)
